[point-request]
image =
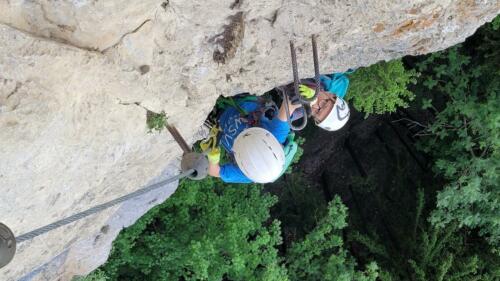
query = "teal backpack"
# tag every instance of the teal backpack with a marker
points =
(336, 83)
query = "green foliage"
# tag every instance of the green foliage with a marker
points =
(209, 230)
(300, 208)
(381, 87)
(321, 255)
(156, 121)
(96, 275)
(430, 253)
(205, 231)
(495, 23)
(465, 136)
(438, 254)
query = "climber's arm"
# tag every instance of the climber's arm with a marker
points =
(213, 162)
(229, 172)
(214, 169)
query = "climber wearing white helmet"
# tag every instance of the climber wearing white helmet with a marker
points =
(254, 142)
(329, 111)
(259, 155)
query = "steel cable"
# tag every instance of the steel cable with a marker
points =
(39, 231)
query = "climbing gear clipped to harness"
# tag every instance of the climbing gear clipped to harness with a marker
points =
(194, 166)
(294, 96)
(210, 142)
(209, 146)
(266, 107)
(223, 102)
(259, 155)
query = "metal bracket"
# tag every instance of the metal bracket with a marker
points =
(295, 96)
(190, 160)
(178, 138)
(7, 245)
(196, 161)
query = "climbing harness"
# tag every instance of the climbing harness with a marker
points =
(294, 96)
(193, 165)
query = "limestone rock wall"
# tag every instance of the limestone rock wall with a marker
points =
(76, 79)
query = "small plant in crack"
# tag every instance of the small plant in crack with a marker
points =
(155, 121)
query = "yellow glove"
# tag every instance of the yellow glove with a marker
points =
(214, 155)
(306, 92)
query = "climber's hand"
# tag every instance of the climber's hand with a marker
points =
(214, 155)
(306, 92)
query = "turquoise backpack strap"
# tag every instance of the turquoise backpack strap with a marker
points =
(290, 148)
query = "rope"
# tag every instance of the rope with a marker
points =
(39, 231)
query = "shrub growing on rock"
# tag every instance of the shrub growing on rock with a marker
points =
(381, 87)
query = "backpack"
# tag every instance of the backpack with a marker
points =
(336, 83)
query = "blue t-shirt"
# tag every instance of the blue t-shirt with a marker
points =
(232, 124)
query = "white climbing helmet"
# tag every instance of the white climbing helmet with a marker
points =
(337, 117)
(259, 155)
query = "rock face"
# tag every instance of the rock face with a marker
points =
(77, 78)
